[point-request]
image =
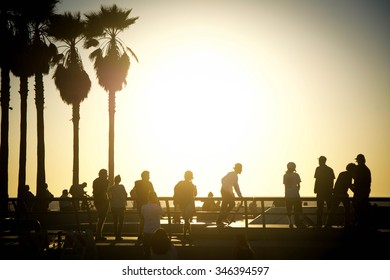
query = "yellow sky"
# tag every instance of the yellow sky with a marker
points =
(219, 82)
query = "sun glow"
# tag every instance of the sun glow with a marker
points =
(197, 107)
(200, 103)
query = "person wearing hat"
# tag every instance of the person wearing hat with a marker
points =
(361, 190)
(229, 181)
(292, 185)
(323, 187)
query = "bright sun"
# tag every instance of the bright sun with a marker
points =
(200, 108)
(200, 102)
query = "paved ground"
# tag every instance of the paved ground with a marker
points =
(210, 242)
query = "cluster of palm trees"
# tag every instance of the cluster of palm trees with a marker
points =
(31, 32)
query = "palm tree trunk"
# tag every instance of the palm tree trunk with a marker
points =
(111, 113)
(76, 120)
(39, 102)
(23, 132)
(4, 146)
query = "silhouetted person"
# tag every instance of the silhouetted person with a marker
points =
(243, 250)
(210, 204)
(151, 213)
(118, 202)
(343, 183)
(27, 198)
(100, 197)
(44, 200)
(65, 202)
(140, 192)
(323, 187)
(184, 197)
(292, 185)
(229, 181)
(361, 190)
(161, 246)
(78, 193)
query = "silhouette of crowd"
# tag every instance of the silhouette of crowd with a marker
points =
(113, 196)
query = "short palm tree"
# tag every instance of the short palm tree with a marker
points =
(70, 77)
(111, 59)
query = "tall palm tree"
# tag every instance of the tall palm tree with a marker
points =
(111, 60)
(22, 67)
(43, 52)
(70, 77)
(6, 35)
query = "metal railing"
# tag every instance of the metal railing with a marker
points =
(246, 214)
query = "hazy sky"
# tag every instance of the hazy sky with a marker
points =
(219, 82)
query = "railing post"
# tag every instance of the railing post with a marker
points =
(263, 212)
(169, 217)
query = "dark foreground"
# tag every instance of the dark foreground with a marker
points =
(209, 243)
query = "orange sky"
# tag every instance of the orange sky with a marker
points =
(219, 82)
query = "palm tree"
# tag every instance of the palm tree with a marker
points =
(70, 77)
(111, 60)
(6, 34)
(43, 52)
(22, 67)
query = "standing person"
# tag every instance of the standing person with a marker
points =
(100, 197)
(184, 196)
(140, 192)
(292, 185)
(340, 194)
(151, 212)
(361, 189)
(323, 187)
(229, 181)
(118, 202)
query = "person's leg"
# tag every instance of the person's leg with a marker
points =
(298, 212)
(289, 211)
(102, 212)
(346, 205)
(332, 210)
(115, 220)
(320, 209)
(141, 223)
(222, 213)
(121, 217)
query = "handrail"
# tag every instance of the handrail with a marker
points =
(168, 201)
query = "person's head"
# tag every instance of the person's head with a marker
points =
(238, 168)
(103, 173)
(322, 160)
(160, 242)
(65, 192)
(188, 175)
(351, 167)
(84, 184)
(117, 179)
(145, 175)
(360, 159)
(210, 194)
(291, 167)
